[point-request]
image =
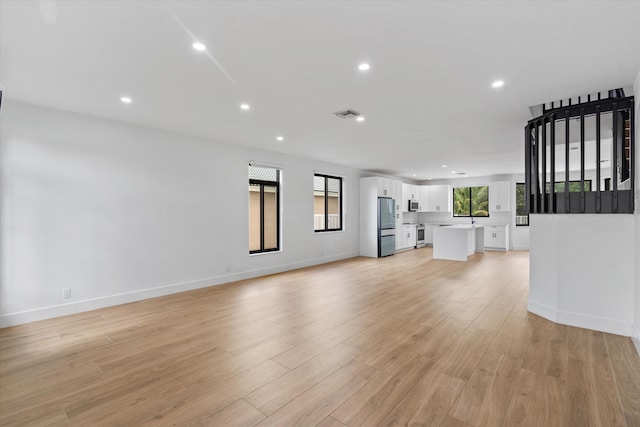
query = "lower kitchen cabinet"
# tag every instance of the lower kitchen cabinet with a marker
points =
(496, 237)
(408, 237)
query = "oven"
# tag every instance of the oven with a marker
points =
(420, 236)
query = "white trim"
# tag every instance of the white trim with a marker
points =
(596, 323)
(18, 318)
(635, 338)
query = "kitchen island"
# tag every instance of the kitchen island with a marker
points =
(457, 242)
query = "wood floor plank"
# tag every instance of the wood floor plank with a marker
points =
(513, 337)
(440, 338)
(485, 397)
(491, 318)
(238, 414)
(538, 400)
(205, 399)
(278, 393)
(592, 396)
(386, 351)
(317, 403)
(428, 402)
(373, 402)
(330, 422)
(626, 367)
(461, 359)
(306, 351)
(548, 349)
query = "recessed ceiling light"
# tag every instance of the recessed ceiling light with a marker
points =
(126, 100)
(453, 171)
(360, 119)
(444, 166)
(414, 175)
(364, 66)
(245, 106)
(199, 46)
(280, 138)
(497, 84)
(429, 178)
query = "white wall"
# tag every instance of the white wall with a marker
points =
(119, 213)
(582, 270)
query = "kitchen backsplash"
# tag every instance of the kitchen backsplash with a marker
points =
(496, 218)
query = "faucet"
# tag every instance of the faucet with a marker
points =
(472, 221)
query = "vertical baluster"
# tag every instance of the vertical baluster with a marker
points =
(598, 195)
(552, 146)
(614, 160)
(632, 158)
(543, 154)
(582, 160)
(567, 200)
(527, 168)
(536, 173)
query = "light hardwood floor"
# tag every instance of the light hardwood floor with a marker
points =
(404, 340)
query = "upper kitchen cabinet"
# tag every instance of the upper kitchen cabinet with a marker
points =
(389, 188)
(396, 191)
(438, 198)
(499, 196)
(423, 198)
(409, 192)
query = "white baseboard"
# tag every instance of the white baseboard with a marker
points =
(42, 313)
(580, 320)
(635, 338)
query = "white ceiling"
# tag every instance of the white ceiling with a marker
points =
(427, 98)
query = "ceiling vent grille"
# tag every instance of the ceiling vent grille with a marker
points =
(347, 114)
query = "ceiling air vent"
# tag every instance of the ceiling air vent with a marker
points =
(347, 114)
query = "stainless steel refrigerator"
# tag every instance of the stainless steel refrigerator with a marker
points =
(386, 226)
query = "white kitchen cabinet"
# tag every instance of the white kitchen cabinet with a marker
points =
(396, 188)
(438, 198)
(409, 192)
(408, 237)
(499, 196)
(423, 198)
(496, 237)
(384, 187)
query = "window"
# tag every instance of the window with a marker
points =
(574, 186)
(471, 201)
(264, 209)
(522, 216)
(327, 203)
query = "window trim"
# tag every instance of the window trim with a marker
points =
(453, 201)
(262, 184)
(326, 203)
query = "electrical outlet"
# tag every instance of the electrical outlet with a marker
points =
(228, 268)
(66, 293)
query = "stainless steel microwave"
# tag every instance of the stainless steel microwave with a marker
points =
(414, 206)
